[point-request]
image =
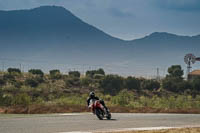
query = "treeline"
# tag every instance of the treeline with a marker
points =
(36, 87)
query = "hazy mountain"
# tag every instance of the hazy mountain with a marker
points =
(44, 31)
(55, 35)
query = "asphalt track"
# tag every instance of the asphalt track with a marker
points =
(86, 122)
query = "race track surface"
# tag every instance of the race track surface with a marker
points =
(87, 122)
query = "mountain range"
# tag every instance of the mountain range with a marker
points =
(50, 37)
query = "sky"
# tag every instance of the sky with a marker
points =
(127, 19)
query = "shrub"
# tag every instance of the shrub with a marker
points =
(55, 74)
(150, 85)
(196, 84)
(85, 81)
(31, 82)
(2, 82)
(75, 74)
(22, 99)
(8, 77)
(36, 72)
(132, 83)
(93, 72)
(175, 84)
(6, 99)
(14, 70)
(17, 84)
(123, 98)
(70, 82)
(98, 76)
(112, 84)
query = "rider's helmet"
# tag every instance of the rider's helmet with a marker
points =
(92, 94)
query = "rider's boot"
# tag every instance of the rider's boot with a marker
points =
(106, 109)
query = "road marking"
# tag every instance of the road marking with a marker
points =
(72, 114)
(75, 132)
(124, 129)
(133, 129)
(147, 128)
(139, 129)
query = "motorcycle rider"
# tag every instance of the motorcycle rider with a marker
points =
(92, 96)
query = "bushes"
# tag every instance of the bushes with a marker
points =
(55, 74)
(31, 82)
(195, 83)
(68, 89)
(176, 85)
(34, 81)
(150, 85)
(123, 98)
(19, 99)
(76, 74)
(174, 81)
(85, 81)
(112, 84)
(8, 77)
(2, 82)
(132, 83)
(22, 99)
(36, 72)
(72, 82)
(92, 73)
(14, 70)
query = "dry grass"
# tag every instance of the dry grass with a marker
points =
(42, 109)
(182, 130)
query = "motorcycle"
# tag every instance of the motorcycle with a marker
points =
(98, 109)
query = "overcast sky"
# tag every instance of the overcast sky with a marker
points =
(127, 19)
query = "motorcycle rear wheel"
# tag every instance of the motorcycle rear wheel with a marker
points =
(99, 114)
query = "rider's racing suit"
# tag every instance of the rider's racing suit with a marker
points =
(96, 98)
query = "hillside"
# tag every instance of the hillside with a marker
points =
(53, 34)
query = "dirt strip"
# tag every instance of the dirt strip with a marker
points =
(43, 109)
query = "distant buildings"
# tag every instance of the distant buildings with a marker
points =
(193, 74)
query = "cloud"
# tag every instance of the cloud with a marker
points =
(179, 5)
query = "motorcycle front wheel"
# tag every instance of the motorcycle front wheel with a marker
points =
(108, 116)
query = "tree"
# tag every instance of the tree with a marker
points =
(36, 72)
(196, 84)
(74, 74)
(174, 80)
(92, 73)
(175, 71)
(14, 70)
(55, 74)
(100, 71)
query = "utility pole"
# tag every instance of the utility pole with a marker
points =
(158, 74)
(20, 67)
(3, 65)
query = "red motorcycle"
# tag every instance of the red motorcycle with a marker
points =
(98, 109)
